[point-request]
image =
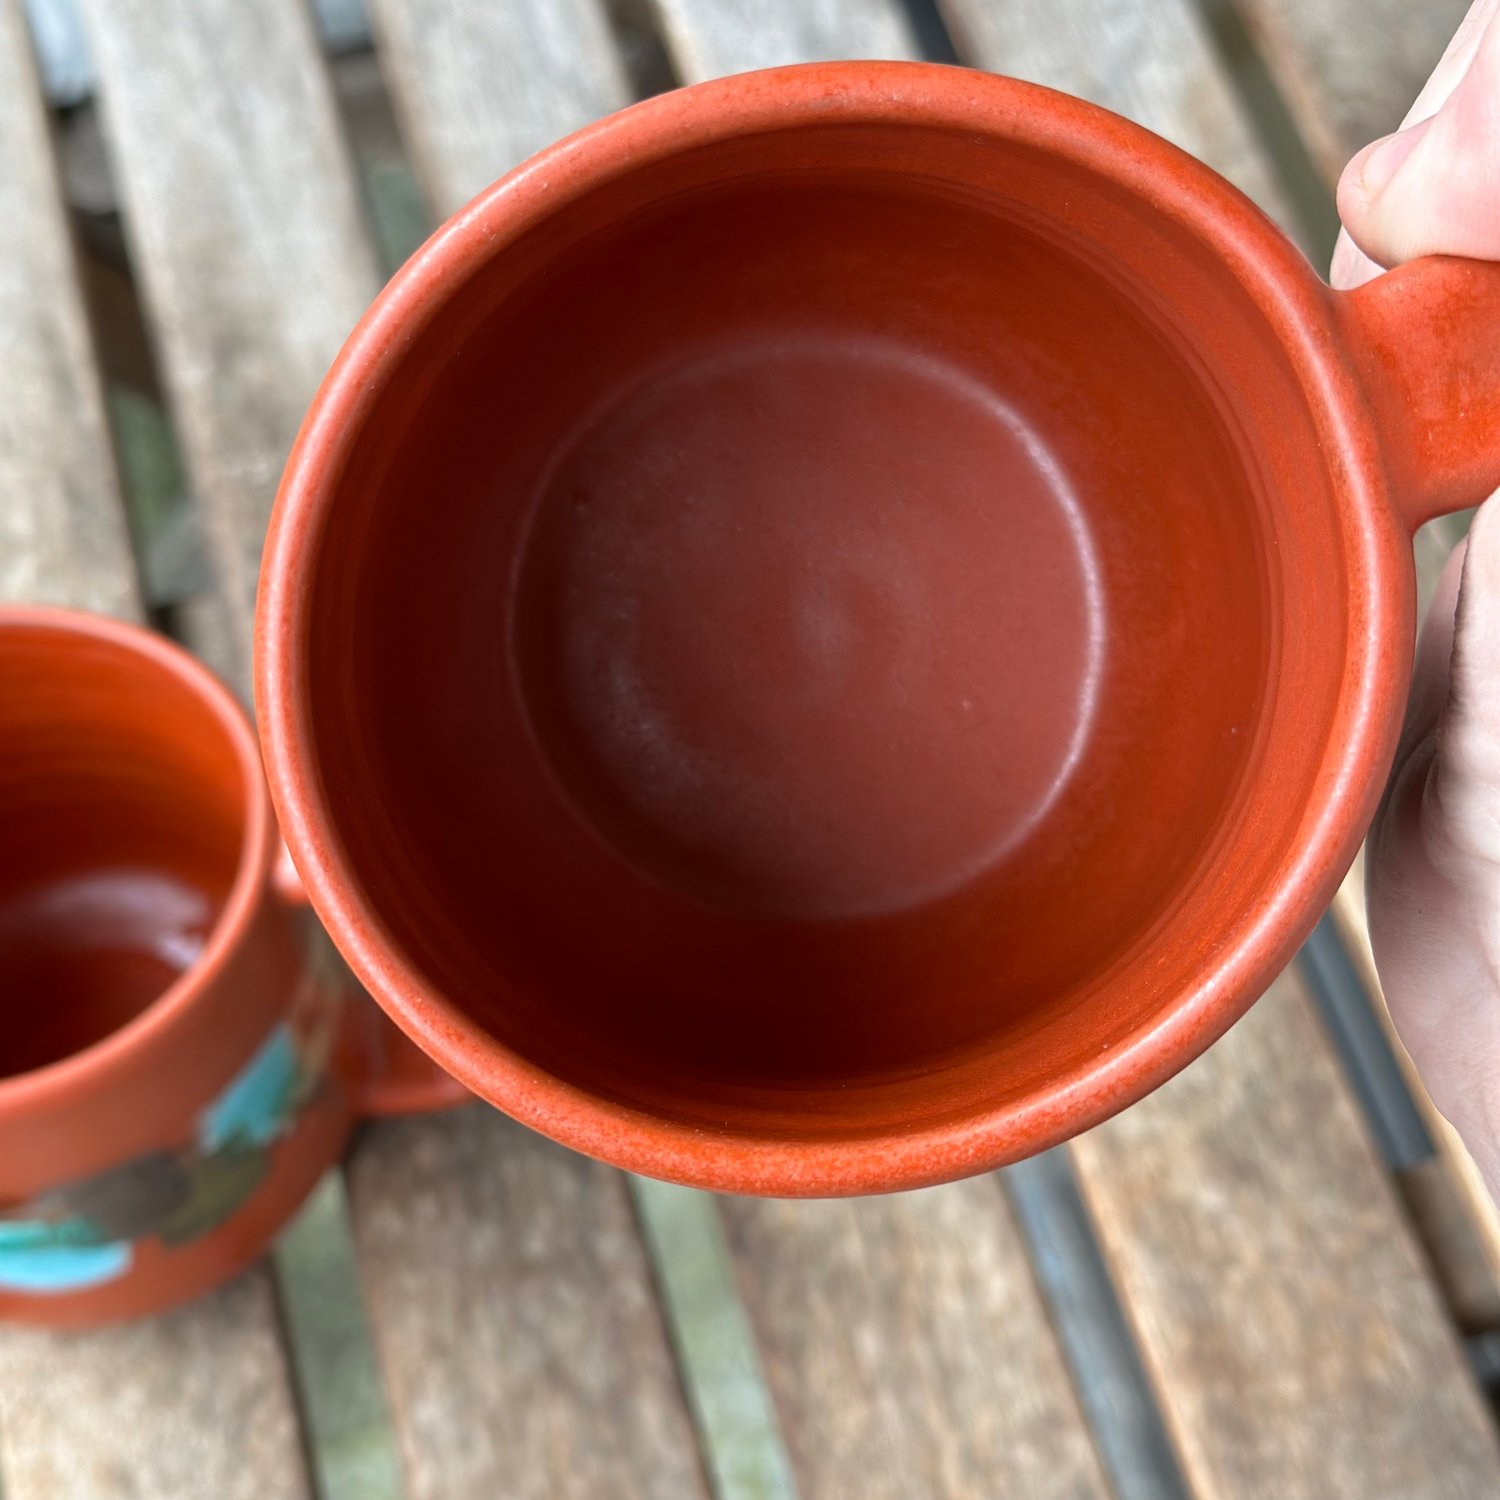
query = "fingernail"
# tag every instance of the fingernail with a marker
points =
(1386, 157)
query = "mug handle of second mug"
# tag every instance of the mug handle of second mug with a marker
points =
(1425, 340)
(401, 1078)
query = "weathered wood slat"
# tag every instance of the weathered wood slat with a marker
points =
(513, 1308)
(1297, 1343)
(1151, 62)
(245, 226)
(907, 1347)
(1348, 69)
(479, 89)
(194, 1403)
(709, 39)
(62, 526)
(198, 1401)
(1317, 1240)
(255, 264)
(718, 1359)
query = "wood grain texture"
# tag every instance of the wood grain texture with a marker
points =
(711, 37)
(351, 1442)
(479, 88)
(1151, 62)
(1297, 1343)
(197, 1402)
(1462, 1260)
(63, 538)
(907, 1348)
(191, 1404)
(718, 1359)
(246, 233)
(517, 1325)
(1348, 69)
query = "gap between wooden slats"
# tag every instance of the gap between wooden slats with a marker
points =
(478, 90)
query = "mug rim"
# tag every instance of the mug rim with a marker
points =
(92, 1064)
(1301, 312)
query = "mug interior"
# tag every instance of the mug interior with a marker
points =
(122, 818)
(794, 651)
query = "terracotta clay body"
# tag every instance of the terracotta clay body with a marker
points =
(840, 625)
(181, 1056)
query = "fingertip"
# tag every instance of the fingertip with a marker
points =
(1351, 195)
(1430, 189)
(1373, 216)
(1356, 208)
(1350, 266)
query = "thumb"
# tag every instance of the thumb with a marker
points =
(1433, 869)
(1462, 809)
(1433, 188)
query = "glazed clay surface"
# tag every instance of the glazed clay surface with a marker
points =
(839, 625)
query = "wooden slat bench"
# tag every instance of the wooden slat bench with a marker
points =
(1220, 1295)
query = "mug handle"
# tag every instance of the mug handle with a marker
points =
(402, 1079)
(1425, 338)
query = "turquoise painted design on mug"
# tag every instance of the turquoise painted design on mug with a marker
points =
(254, 1109)
(175, 1196)
(36, 1256)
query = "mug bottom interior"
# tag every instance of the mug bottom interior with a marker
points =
(121, 820)
(794, 643)
(810, 626)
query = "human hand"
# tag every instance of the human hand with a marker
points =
(1433, 880)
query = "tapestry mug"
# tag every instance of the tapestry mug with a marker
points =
(183, 1053)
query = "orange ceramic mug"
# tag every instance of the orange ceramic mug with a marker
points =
(182, 1055)
(840, 625)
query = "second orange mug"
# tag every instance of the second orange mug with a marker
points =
(183, 1055)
